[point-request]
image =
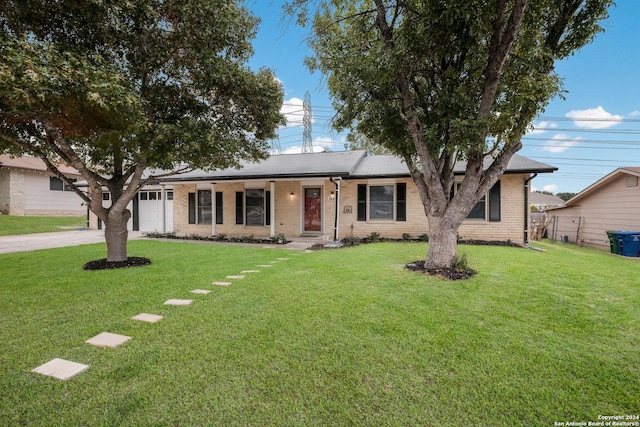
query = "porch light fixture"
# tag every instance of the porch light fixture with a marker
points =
(291, 195)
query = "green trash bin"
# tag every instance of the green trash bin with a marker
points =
(613, 242)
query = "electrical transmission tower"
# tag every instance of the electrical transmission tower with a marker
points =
(307, 145)
(276, 148)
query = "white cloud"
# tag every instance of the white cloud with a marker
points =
(560, 143)
(551, 188)
(541, 127)
(635, 114)
(594, 118)
(319, 145)
(293, 110)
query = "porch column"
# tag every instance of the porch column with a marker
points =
(164, 208)
(272, 207)
(214, 209)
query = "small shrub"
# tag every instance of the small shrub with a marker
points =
(374, 237)
(406, 236)
(423, 237)
(352, 240)
(461, 263)
(279, 239)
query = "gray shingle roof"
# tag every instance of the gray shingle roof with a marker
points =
(392, 166)
(347, 164)
(337, 163)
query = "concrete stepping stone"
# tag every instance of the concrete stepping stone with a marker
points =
(200, 291)
(235, 277)
(107, 339)
(250, 271)
(265, 265)
(145, 317)
(221, 283)
(283, 259)
(178, 302)
(274, 262)
(61, 369)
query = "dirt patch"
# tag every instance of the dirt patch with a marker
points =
(452, 273)
(103, 264)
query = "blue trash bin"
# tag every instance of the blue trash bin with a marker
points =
(629, 242)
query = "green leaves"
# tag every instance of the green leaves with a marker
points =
(160, 83)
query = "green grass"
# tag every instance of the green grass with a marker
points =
(12, 225)
(335, 337)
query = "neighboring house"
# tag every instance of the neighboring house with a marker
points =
(542, 201)
(612, 203)
(333, 195)
(28, 188)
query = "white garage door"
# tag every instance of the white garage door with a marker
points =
(150, 206)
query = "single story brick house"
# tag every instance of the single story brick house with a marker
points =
(330, 195)
(28, 188)
(611, 203)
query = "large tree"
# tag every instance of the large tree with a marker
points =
(440, 81)
(117, 87)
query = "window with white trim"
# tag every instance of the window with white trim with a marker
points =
(382, 202)
(488, 207)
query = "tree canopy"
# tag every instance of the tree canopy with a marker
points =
(442, 81)
(116, 87)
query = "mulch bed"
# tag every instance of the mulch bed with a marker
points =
(103, 264)
(446, 273)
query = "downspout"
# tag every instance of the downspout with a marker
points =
(336, 241)
(526, 209)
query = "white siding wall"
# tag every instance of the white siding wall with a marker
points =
(615, 206)
(40, 200)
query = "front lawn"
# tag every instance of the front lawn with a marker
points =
(333, 337)
(11, 225)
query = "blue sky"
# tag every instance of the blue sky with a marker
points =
(591, 132)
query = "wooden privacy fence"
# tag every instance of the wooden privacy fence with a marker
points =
(567, 229)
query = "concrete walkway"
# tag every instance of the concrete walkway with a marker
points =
(32, 242)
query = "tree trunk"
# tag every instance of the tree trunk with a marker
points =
(442, 251)
(116, 235)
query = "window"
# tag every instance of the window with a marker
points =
(382, 202)
(254, 206)
(200, 207)
(106, 196)
(204, 207)
(481, 211)
(56, 184)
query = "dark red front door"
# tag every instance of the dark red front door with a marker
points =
(312, 209)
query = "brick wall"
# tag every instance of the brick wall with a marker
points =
(289, 206)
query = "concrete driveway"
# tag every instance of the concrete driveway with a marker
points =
(32, 242)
